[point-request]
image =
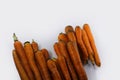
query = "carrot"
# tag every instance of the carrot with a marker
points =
(81, 45)
(71, 36)
(69, 28)
(64, 52)
(53, 69)
(45, 53)
(88, 47)
(92, 43)
(56, 48)
(74, 55)
(58, 67)
(30, 57)
(43, 65)
(63, 37)
(63, 66)
(34, 46)
(19, 66)
(21, 53)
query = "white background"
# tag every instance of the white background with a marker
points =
(43, 20)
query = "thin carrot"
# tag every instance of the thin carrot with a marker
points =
(92, 43)
(45, 53)
(58, 67)
(43, 65)
(64, 52)
(53, 69)
(74, 55)
(30, 57)
(88, 47)
(19, 66)
(56, 48)
(81, 45)
(21, 53)
(63, 66)
(34, 46)
(63, 37)
(69, 28)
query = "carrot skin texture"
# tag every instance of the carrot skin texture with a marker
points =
(45, 53)
(53, 69)
(21, 53)
(63, 37)
(43, 65)
(56, 49)
(69, 28)
(31, 59)
(62, 62)
(73, 51)
(81, 45)
(92, 43)
(34, 46)
(19, 66)
(64, 52)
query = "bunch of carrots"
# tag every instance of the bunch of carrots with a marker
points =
(73, 49)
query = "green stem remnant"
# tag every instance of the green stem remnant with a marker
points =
(15, 37)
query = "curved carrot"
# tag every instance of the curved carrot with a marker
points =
(92, 43)
(30, 57)
(34, 46)
(63, 66)
(87, 44)
(45, 53)
(19, 66)
(69, 28)
(64, 52)
(63, 37)
(21, 53)
(56, 48)
(53, 69)
(43, 65)
(74, 55)
(84, 55)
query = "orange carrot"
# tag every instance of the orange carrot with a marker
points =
(84, 54)
(45, 53)
(21, 53)
(56, 48)
(19, 66)
(71, 36)
(63, 37)
(88, 47)
(64, 52)
(34, 46)
(63, 66)
(53, 69)
(92, 43)
(58, 67)
(69, 28)
(43, 65)
(30, 57)
(74, 55)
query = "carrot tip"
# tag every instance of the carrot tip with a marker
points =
(26, 42)
(15, 37)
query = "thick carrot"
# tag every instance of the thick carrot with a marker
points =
(31, 59)
(56, 48)
(43, 65)
(21, 53)
(64, 52)
(92, 43)
(88, 47)
(53, 69)
(81, 45)
(74, 55)
(45, 53)
(71, 36)
(19, 66)
(63, 66)
(69, 28)
(34, 46)
(63, 37)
